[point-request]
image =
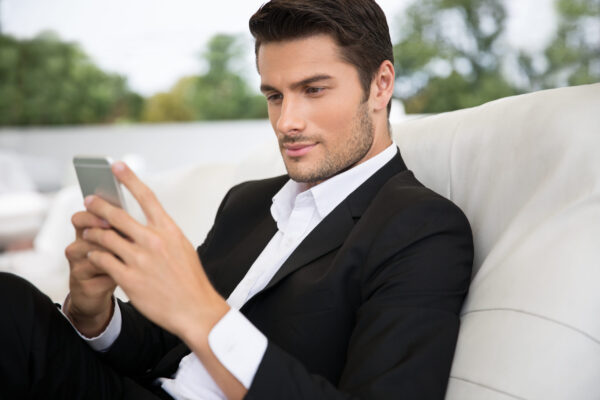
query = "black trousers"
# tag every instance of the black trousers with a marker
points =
(42, 357)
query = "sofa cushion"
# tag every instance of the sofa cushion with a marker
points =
(526, 172)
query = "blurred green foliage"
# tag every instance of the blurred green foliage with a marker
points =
(451, 54)
(219, 94)
(44, 81)
(573, 56)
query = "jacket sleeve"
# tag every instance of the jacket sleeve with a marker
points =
(140, 344)
(415, 279)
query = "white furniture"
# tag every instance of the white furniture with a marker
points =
(526, 172)
(22, 209)
(21, 216)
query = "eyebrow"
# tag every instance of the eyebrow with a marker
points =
(316, 78)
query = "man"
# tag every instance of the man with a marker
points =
(349, 274)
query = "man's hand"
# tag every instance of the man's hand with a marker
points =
(156, 266)
(89, 305)
(159, 269)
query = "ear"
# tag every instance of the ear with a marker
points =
(382, 86)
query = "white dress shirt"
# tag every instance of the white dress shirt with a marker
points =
(237, 344)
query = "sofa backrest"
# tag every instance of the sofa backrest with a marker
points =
(526, 172)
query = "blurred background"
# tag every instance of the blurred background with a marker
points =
(169, 85)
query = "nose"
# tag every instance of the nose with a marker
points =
(290, 119)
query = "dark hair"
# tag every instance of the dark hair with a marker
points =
(359, 28)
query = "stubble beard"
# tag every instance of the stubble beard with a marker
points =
(340, 159)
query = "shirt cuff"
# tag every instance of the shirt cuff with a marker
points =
(238, 345)
(104, 340)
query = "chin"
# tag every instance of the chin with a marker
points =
(308, 177)
(298, 175)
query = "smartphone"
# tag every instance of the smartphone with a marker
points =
(96, 177)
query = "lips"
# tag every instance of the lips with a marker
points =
(297, 149)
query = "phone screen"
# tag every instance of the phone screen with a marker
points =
(95, 177)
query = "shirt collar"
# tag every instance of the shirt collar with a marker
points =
(328, 194)
(283, 201)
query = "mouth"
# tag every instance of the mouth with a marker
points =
(298, 149)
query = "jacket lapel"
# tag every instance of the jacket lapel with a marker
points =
(335, 228)
(239, 263)
(326, 236)
(239, 241)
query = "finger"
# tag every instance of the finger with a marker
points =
(116, 218)
(94, 287)
(84, 270)
(84, 219)
(79, 249)
(142, 193)
(108, 263)
(80, 267)
(111, 241)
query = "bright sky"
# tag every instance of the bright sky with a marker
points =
(155, 42)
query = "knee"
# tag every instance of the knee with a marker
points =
(7, 278)
(12, 282)
(23, 304)
(14, 289)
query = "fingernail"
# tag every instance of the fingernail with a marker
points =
(119, 166)
(88, 255)
(85, 234)
(88, 200)
(104, 224)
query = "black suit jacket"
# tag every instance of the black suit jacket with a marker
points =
(366, 307)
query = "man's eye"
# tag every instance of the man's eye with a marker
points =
(274, 97)
(314, 90)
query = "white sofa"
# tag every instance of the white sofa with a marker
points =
(526, 172)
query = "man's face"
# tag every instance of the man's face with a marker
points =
(316, 106)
